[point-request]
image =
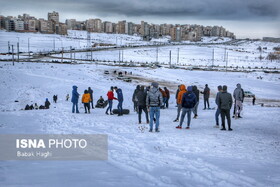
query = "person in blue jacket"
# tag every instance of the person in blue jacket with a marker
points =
(120, 99)
(75, 99)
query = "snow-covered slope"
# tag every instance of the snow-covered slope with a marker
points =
(201, 156)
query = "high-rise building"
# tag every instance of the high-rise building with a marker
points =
(71, 24)
(9, 24)
(108, 27)
(53, 16)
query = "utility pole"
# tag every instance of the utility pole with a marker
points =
(213, 57)
(8, 46)
(13, 55)
(178, 56)
(122, 55)
(28, 48)
(71, 54)
(18, 51)
(226, 61)
(170, 58)
(157, 56)
(53, 44)
(62, 55)
(91, 54)
(225, 55)
(119, 55)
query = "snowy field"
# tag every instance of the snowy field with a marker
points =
(201, 156)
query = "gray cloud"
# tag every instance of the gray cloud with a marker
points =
(200, 9)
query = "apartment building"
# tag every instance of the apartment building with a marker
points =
(53, 16)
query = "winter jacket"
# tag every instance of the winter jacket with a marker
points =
(206, 92)
(90, 91)
(47, 104)
(86, 98)
(119, 94)
(225, 101)
(162, 93)
(189, 100)
(238, 93)
(167, 93)
(154, 98)
(110, 95)
(181, 93)
(135, 92)
(217, 98)
(196, 92)
(75, 95)
(141, 97)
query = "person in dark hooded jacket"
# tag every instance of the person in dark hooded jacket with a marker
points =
(120, 100)
(188, 102)
(75, 99)
(196, 93)
(238, 96)
(134, 99)
(225, 104)
(141, 97)
(206, 95)
(47, 104)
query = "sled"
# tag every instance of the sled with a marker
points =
(125, 111)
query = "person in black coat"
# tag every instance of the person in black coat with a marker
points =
(224, 104)
(196, 93)
(47, 104)
(141, 98)
(91, 96)
(206, 95)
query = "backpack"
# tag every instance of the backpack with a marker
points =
(189, 100)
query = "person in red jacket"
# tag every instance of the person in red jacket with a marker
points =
(111, 97)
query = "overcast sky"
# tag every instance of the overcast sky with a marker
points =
(246, 18)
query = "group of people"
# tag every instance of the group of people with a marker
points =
(36, 107)
(152, 98)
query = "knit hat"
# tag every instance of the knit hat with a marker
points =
(155, 84)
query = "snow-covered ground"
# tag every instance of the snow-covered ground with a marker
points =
(201, 156)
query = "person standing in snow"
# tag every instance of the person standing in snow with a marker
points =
(238, 96)
(74, 99)
(254, 100)
(225, 104)
(134, 99)
(67, 97)
(188, 103)
(218, 111)
(177, 92)
(47, 104)
(86, 101)
(179, 100)
(153, 102)
(141, 98)
(164, 97)
(91, 96)
(206, 95)
(167, 97)
(111, 97)
(196, 93)
(55, 98)
(120, 99)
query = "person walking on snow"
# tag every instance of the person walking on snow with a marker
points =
(196, 93)
(188, 103)
(86, 100)
(141, 97)
(238, 97)
(74, 99)
(167, 97)
(218, 111)
(90, 91)
(206, 95)
(153, 102)
(179, 100)
(47, 104)
(120, 99)
(111, 97)
(225, 104)
(134, 99)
